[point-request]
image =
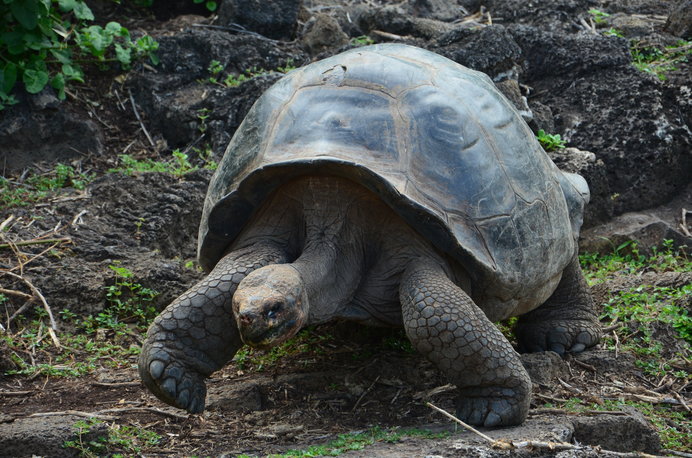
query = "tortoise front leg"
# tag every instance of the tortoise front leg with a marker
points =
(566, 322)
(197, 334)
(445, 325)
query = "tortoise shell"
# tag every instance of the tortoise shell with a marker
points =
(435, 140)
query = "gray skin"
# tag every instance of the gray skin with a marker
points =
(324, 248)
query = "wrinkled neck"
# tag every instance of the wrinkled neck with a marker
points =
(329, 278)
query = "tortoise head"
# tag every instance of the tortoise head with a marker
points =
(270, 305)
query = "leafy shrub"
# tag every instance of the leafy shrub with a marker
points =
(42, 43)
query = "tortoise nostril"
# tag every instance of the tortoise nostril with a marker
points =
(245, 319)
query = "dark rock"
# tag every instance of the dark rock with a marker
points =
(44, 436)
(629, 119)
(179, 92)
(398, 21)
(491, 50)
(679, 22)
(510, 89)
(441, 10)
(555, 15)
(544, 367)
(271, 18)
(542, 117)
(323, 32)
(593, 170)
(619, 433)
(643, 228)
(39, 128)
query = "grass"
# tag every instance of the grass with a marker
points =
(356, 441)
(106, 339)
(37, 187)
(673, 427)
(659, 61)
(655, 326)
(216, 70)
(116, 440)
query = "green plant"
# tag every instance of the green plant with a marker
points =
(37, 187)
(116, 440)
(358, 441)
(128, 302)
(179, 165)
(362, 40)
(44, 42)
(599, 17)
(550, 142)
(613, 32)
(659, 61)
(211, 6)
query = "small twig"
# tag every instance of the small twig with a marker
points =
(582, 412)
(11, 292)
(617, 344)
(35, 242)
(139, 118)
(469, 427)
(144, 409)
(78, 218)
(682, 401)
(584, 365)
(387, 35)
(364, 393)
(38, 295)
(7, 221)
(676, 453)
(76, 413)
(116, 384)
(683, 225)
(15, 393)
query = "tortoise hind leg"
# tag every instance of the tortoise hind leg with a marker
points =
(567, 321)
(197, 334)
(446, 326)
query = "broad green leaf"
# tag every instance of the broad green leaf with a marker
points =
(34, 80)
(67, 5)
(124, 55)
(73, 73)
(25, 12)
(58, 83)
(63, 56)
(8, 77)
(83, 12)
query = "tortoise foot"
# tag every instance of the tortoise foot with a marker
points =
(171, 381)
(493, 406)
(560, 336)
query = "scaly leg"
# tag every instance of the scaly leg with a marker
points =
(567, 321)
(197, 334)
(446, 326)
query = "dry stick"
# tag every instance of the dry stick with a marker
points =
(77, 413)
(683, 225)
(469, 427)
(363, 395)
(36, 256)
(11, 292)
(506, 444)
(139, 118)
(37, 293)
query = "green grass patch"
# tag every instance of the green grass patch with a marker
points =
(673, 426)
(106, 339)
(116, 440)
(37, 187)
(357, 441)
(627, 259)
(659, 61)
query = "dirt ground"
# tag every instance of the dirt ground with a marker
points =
(336, 379)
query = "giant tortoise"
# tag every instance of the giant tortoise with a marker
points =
(390, 186)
